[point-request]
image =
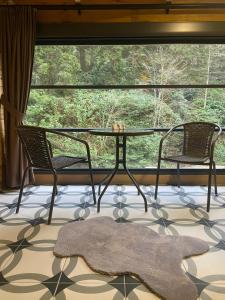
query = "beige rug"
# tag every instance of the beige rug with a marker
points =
(115, 249)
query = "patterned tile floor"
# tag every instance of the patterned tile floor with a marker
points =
(29, 270)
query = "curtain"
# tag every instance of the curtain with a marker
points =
(17, 40)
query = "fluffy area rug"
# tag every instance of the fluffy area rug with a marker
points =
(115, 249)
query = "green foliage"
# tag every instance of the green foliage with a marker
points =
(129, 64)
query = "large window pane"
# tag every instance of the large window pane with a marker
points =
(159, 108)
(129, 64)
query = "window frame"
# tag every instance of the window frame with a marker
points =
(131, 41)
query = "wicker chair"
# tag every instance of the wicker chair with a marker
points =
(198, 141)
(39, 153)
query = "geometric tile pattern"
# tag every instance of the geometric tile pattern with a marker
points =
(29, 270)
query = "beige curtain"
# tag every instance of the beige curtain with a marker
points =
(17, 39)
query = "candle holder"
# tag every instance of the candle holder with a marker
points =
(118, 126)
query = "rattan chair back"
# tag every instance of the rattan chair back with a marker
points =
(36, 146)
(198, 139)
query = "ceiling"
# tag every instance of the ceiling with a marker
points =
(103, 11)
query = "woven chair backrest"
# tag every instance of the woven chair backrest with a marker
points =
(35, 145)
(198, 138)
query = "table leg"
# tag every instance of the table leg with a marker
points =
(105, 188)
(138, 188)
(116, 168)
(130, 175)
(103, 180)
(112, 174)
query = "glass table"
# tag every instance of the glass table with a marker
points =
(120, 158)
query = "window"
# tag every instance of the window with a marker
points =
(154, 86)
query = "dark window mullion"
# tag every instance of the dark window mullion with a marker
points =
(111, 87)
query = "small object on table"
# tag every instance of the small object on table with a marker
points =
(115, 126)
(121, 126)
(118, 126)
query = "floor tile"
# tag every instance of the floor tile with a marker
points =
(140, 292)
(92, 293)
(33, 272)
(25, 291)
(201, 265)
(32, 260)
(76, 267)
(216, 294)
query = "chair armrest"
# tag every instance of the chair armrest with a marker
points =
(217, 135)
(165, 137)
(67, 136)
(168, 133)
(214, 141)
(50, 147)
(72, 138)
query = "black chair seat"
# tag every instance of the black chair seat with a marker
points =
(60, 162)
(187, 159)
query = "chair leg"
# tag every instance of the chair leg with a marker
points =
(100, 184)
(99, 188)
(178, 175)
(32, 176)
(53, 197)
(209, 186)
(92, 180)
(21, 189)
(215, 181)
(157, 178)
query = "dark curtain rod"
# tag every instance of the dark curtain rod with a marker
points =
(166, 6)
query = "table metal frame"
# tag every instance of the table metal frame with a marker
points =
(120, 159)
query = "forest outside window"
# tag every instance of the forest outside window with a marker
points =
(153, 86)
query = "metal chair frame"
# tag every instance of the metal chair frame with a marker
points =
(49, 166)
(209, 158)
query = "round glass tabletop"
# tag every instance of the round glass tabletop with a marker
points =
(125, 132)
